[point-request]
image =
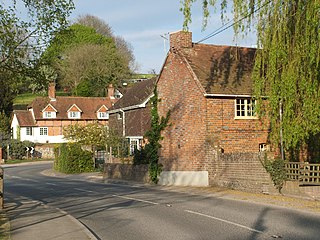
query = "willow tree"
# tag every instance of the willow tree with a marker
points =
(287, 65)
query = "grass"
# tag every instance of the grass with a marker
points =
(13, 161)
(27, 98)
(4, 226)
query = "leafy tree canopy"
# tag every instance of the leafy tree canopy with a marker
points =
(25, 28)
(93, 134)
(287, 68)
(124, 48)
(71, 37)
(86, 60)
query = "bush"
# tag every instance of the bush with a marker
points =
(140, 157)
(17, 149)
(70, 158)
(277, 171)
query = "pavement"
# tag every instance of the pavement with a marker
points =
(32, 220)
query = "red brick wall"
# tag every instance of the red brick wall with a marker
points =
(198, 123)
(243, 171)
(183, 146)
(180, 39)
(55, 127)
(230, 134)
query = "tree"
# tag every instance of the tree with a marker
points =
(149, 153)
(287, 63)
(101, 27)
(24, 30)
(93, 66)
(86, 60)
(4, 126)
(94, 134)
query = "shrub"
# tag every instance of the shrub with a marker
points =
(70, 158)
(140, 157)
(17, 148)
(277, 171)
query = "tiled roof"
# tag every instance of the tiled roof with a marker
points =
(88, 105)
(25, 118)
(222, 69)
(136, 95)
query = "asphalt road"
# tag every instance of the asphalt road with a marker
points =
(114, 211)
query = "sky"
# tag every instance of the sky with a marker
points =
(142, 23)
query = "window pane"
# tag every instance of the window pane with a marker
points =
(43, 131)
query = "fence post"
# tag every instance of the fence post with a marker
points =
(1, 187)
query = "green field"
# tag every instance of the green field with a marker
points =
(27, 98)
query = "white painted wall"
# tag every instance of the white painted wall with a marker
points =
(15, 126)
(37, 138)
(184, 178)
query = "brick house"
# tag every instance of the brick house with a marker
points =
(208, 90)
(45, 117)
(130, 116)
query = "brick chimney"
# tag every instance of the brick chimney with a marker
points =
(180, 40)
(110, 91)
(52, 91)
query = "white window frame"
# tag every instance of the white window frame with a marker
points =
(103, 115)
(263, 147)
(49, 114)
(74, 115)
(43, 131)
(245, 108)
(135, 143)
(29, 131)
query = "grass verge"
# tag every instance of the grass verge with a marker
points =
(4, 226)
(13, 161)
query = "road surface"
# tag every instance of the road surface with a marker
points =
(115, 211)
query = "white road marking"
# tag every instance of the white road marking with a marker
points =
(83, 190)
(136, 199)
(15, 177)
(225, 221)
(52, 184)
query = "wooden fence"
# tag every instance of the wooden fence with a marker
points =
(304, 172)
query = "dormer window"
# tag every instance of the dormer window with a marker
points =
(49, 112)
(74, 114)
(103, 115)
(102, 112)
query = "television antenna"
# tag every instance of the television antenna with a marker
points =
(165, 38)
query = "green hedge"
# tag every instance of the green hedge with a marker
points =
(70, 158)
(17, 149)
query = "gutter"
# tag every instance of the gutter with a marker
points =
(142, 105)
(231, 95)
(226, 95)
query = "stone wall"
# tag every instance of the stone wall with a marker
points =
(44, 151)
(138, 173)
